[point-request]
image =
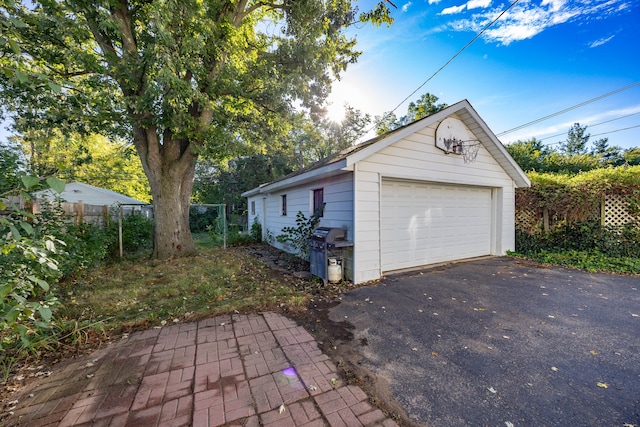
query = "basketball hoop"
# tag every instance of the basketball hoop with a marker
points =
(469, 150)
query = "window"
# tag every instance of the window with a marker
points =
(318, 202)
(283, 205)
(253, 207)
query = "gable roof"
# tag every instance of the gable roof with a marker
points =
(345, 159)
(76, 191)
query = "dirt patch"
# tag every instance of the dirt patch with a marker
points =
(336, 340)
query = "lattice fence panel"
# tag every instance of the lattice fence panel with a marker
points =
(616, 210)
(528, 219)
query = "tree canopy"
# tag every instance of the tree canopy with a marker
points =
(181, 79)
(573, 155)
(91, 159)
(416, 110)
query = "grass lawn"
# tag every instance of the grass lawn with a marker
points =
(126, 295)
(142, 293)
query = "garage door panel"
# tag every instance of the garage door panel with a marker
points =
(426, 223)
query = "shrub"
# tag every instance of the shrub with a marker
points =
(137, 234)
(591, 236)
(85, 244)
(256, 231)
(202, 217)
(28, 271)
(298, 236)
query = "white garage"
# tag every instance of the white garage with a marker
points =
(425, 223)
(439, 189)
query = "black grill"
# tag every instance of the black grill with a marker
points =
(326, 243)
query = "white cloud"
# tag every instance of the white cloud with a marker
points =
(471, 4)
(527, 19)
(453, 9)
(474, 4)
(434, 1)
(406, 6)
(601, 41)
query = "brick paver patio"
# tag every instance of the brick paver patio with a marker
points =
(237, 370)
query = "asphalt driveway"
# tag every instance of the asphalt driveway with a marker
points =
(501, 342)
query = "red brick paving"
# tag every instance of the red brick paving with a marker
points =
(238, 370)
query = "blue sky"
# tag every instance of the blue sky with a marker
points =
(541, 57)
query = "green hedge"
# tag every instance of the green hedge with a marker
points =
(573, 203)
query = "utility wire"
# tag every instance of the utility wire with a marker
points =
(617, 130)
(597, 134)
(573, 107)
(593, 125)
(485, 28)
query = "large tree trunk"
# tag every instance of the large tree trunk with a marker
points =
(171, 235)
(170, 168)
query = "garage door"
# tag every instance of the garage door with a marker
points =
(428, 223)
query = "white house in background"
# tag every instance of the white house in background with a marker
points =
(75, 192)
(407, 198)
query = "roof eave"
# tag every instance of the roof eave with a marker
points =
(487, 137)
(303, 178)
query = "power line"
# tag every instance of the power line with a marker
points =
(617, 130)
(485, 28)
(593, 125)
(557, 113)
(597, 134)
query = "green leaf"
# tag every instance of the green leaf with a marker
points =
(43, 284)
(54, 87)
(22, 77)
(56, 184)
(16, 49)
(45, 312)
(14, 231)
(12, 315)
(26, 227)
(30, 181)
(4, 290)
(17, 23)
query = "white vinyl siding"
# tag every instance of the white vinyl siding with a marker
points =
(338, 212)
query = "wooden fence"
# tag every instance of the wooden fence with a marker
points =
(81, 212)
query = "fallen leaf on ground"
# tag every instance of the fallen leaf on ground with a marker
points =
(602, 385)
(434, 354)
(593, 352)
(554, 369)
(281, 409)
(508, 424)
(492, 390)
